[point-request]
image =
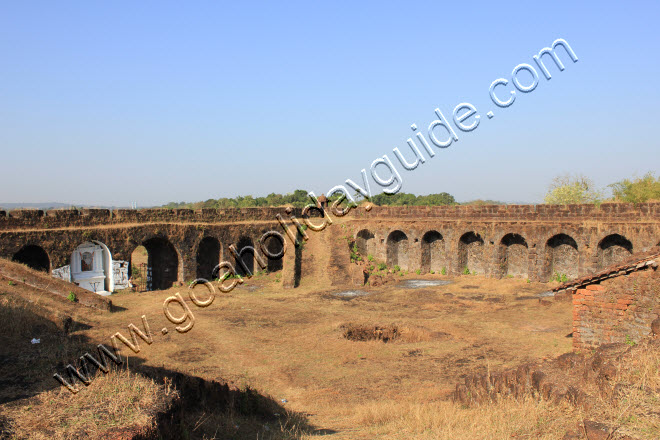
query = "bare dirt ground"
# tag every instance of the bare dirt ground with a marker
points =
(291, 344)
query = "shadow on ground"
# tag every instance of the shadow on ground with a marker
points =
(204, 408)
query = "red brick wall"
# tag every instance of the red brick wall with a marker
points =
(619, 309)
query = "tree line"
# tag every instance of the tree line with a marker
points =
(566, 189)
(299, 199)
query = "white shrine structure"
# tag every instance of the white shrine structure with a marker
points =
(91, 268)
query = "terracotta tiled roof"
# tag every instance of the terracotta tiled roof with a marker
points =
(634, 262)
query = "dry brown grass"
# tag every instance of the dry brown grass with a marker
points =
(443, 420)
(119, 400)
(290, 343)
(633, 411)
(634, 406)
(17, 317)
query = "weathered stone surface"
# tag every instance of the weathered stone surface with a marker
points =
(538, 242)
(596, 430)
(655, 327)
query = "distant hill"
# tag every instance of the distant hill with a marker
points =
(45, 205)
(49, 205)
(494, 202)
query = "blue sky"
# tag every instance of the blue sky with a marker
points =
(107, 103)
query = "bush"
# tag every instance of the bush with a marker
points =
(370, 257)
(444, 271)
(72, 297)
(568, 189)
(418, 272)
(382, 266)
(466, 271)
(639, 190)
(397, 268)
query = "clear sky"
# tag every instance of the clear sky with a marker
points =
(105, 103)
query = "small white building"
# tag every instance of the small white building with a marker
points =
(91, 268)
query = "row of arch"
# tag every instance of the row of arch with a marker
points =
(560, 255)
(162, 259)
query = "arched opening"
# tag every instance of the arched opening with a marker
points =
(366, 243)
(470, 253)
(613, 249)
(397, 250)
(433, 252)
(162, 263)
(91, 267)
(274, 245)
(139, 273)
(561, 257)
(513, 255)
(246, 256)
(208, 257)
(33, 256)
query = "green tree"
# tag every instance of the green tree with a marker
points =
(406, 199)
(566, 189)
(436, 199)
(639, 190)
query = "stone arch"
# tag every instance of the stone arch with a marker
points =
(163, 263)
(138, 272)
(366, 243)
(471, 252)
(275, 246)
(246, 256)
(33, 256)
(433, 252)
(397, 249)
(208, 257)
(561, 257)
(612, 249)
(513, 255)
